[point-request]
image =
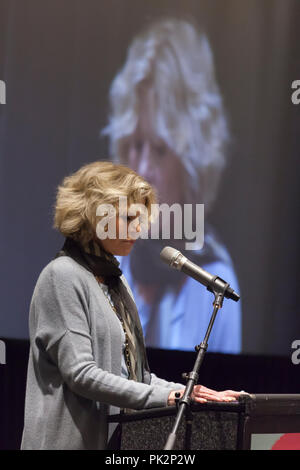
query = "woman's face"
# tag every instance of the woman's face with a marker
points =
(150, 156)
(120, 246)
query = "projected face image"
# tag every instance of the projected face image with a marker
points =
(150, 156)
(168, 124)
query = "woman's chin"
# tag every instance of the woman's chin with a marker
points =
(124, 249)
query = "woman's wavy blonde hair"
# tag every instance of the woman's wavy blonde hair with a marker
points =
(96, 183)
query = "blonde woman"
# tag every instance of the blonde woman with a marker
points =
(87, 355)
(167, 122)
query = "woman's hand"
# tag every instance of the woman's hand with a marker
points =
(203, 394)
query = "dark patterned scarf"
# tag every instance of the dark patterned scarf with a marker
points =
(105, 265)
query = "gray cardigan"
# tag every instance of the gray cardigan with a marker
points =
(74, 371)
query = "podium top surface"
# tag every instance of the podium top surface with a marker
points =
(249, 404)
(271, 404)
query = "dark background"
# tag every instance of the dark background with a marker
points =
(58, 59)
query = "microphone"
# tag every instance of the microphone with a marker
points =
(176, 260)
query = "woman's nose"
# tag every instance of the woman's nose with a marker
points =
(133, 229)
(145, 164)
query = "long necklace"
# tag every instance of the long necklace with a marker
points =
(126, 349)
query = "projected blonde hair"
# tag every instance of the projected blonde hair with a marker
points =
(100, 182)
(176, 62)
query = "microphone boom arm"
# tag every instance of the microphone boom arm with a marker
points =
(192, 378)
(220, 289)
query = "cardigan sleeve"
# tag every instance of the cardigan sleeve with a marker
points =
(165, 383)
(61, 331)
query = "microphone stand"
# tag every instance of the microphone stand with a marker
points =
(192, 377)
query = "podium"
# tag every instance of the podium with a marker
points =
(253, 422)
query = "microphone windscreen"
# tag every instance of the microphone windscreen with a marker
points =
(167, 254)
